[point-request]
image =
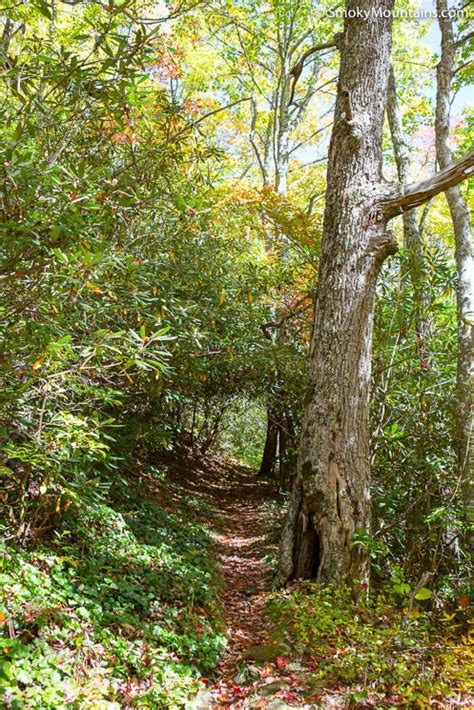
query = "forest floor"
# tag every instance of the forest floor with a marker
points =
(160, 596)
(261, 668)
(253, 671)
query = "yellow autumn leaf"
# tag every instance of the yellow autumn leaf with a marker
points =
(250, 297)
(3, 617)
(38, 363)
(93, 287)
(448, 617)
(222, 297)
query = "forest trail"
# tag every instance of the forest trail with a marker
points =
(253, 673)
(246, 580)
(260, 669)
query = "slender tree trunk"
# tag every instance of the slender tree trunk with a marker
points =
(414, 275)
(274, 447)
(464, 254)
(411, 232)
(267, 464)
(285, 118)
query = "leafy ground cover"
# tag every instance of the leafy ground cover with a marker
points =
(374, 652)
(120, 610)
(164, 598)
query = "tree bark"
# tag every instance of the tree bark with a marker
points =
(464, 255)
(412, 275)
(331, 494)
(411, 232)
(331, 497)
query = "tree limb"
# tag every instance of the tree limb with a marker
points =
(463, 39)
(291, 313)
(252, 140)
(409, 196)
(298, 67)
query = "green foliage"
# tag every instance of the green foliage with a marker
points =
(417, 509)
(243, 433)
(140, 259)
(130, 302)
(371, 649)
(121, 609)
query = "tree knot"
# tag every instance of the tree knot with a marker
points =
(353, 127)
(383, 244)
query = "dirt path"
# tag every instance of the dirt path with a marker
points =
(250, 675)
(241, 546)
(255, 672)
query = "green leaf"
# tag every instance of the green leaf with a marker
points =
(423, 593)
(180, 202)
(44, 9)
(23, 677)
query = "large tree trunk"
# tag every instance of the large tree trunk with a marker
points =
(465, 265)
(331, 493)
(331, 496)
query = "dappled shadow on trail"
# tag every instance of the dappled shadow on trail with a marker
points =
(253, 672)
(230, 498)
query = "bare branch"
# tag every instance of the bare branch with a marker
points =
(417, 193)
(253, 143)
(305, 140)
(424, 217)
(298, 68)
(463, 39)
(462, 66)
(301, 306)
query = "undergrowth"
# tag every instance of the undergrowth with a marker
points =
(375, 652)
(118, 610)
(272, 517)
